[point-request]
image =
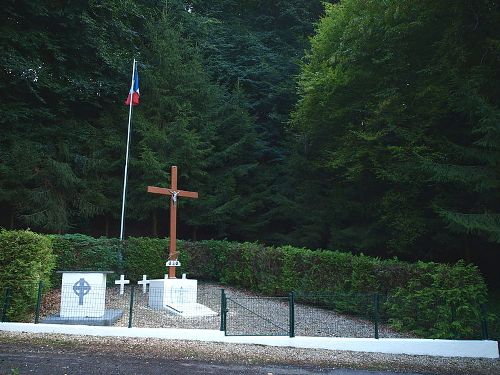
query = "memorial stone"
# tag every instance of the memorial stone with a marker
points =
(83, 300)
(83, 294)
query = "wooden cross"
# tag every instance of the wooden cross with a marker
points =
(174, 194)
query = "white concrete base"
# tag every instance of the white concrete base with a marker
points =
(443, 348)
(178, 296)
(164, 292)
(190, 309)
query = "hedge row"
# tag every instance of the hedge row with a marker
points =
(430, 299)
(78, 252)
(26, 258)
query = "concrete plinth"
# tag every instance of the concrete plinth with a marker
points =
(83, 294)
(178, 296)
(108, 319)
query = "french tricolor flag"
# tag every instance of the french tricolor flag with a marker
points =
(134, 90)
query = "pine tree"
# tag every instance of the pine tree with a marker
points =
(398, 114)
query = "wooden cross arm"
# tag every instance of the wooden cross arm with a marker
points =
(164, 191)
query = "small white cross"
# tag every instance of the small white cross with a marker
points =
(122, 283)
(144, 283)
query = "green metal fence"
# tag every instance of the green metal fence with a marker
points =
(335, 315)
(328, 314)
(257, 316)
(383, 315)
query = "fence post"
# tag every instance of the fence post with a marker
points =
(131, 308)
(453, 311)
(484, 322)
(375, 313)
(291, 312)
(5, 304)
(38, 302)
(222, 310)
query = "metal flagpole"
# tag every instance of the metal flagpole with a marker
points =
(125, 175)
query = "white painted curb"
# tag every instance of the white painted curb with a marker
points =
(444, 348)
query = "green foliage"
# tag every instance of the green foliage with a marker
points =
(253, 48)
(397, 129)
(26, 259)
(439, 301)
(64, 73)
(145, 256)
(427, 299)
(393, 148)
(78, 252)
(205, 258)
(192, 122)
(216, 90)
(483, 224)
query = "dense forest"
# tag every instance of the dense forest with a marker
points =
(359, 125)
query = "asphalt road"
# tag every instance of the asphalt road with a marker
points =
(14, 360)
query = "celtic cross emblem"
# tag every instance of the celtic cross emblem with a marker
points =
(81, 288)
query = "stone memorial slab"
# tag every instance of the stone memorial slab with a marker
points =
(83, 294)
(83, 300)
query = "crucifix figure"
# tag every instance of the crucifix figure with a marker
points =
(174, 195)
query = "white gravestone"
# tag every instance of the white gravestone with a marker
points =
(83, 294)
(179, 296)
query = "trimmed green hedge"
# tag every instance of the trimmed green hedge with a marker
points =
(439, 301)
(145, 256)
(428, 299)
(77, 252)
(279, 270)
(26, 258)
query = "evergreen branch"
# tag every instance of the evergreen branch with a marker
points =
(486, 223)
(478, 178)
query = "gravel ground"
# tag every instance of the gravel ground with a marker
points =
(272, 319)
(246, 354)
(247, 314)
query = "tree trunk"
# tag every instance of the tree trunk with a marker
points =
(106, 225)
(11, 218)
(155, 224)
(467, 255)
(195, 233)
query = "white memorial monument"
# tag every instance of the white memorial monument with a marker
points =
(178, 296)
(83, 299)
(83, 294)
